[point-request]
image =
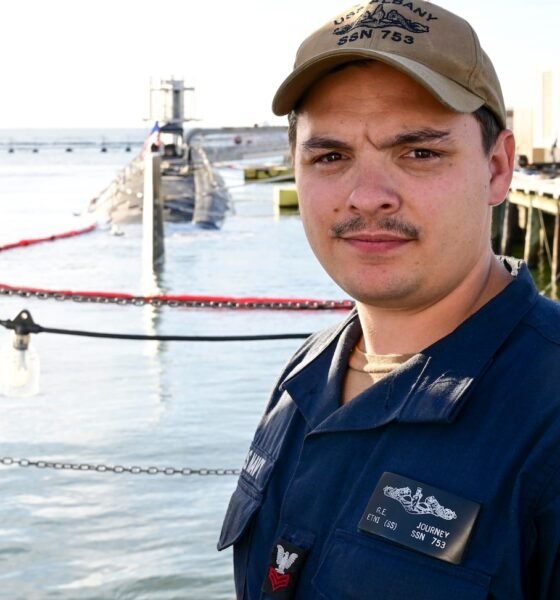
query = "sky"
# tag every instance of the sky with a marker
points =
(84, 63)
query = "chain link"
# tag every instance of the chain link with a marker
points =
(118, 469)
(175, 302)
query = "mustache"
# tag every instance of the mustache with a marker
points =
(358, 224)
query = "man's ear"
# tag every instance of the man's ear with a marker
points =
(501, 161)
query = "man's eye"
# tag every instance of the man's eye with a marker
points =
(422, 153)
(329, 157)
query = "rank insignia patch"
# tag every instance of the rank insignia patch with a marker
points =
(419, 516)
(283, 570)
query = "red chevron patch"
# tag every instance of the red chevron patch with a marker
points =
(277, 581)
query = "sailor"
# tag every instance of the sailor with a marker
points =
(444, 379)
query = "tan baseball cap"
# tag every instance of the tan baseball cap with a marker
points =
(435, 47)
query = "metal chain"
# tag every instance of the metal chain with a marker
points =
(118, 469)
(174, 303)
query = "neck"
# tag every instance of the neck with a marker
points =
(408, 331)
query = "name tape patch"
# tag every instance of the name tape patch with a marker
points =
(419, 516)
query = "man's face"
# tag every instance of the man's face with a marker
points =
(394, 188)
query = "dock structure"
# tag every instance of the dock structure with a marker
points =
(285, 198)
(269, 172)
(531, 214)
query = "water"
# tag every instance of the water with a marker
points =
(69, 535)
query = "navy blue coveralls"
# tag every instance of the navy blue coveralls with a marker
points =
(475, 415)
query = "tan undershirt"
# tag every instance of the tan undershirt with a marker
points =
(366, 369)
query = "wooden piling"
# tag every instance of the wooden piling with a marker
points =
(528, 231)
(505, 241)
(554, 265)
(152, 211)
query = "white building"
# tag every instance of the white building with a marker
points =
(537, 127)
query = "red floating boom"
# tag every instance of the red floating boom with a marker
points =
(186, 300)
(49, 238)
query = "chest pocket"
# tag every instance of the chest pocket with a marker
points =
(358, 567)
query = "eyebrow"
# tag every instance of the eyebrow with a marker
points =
(324, 143)
(414, 137)
(408, 137)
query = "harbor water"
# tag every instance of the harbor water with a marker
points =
(69, 534)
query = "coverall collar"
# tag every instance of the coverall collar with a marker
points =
(431, 387)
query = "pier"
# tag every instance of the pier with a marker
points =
(530, 216)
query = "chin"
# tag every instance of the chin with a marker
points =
(383, 294)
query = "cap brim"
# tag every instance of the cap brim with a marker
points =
(447, 91)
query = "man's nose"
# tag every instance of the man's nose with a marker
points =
(374, 188)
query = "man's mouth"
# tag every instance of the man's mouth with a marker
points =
(385, 234)
(375, 241)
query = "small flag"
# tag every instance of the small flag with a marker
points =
(152, 142)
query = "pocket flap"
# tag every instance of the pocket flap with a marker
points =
(378, 569)
(242, 506)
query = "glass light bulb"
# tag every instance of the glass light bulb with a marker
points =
(19, 367)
